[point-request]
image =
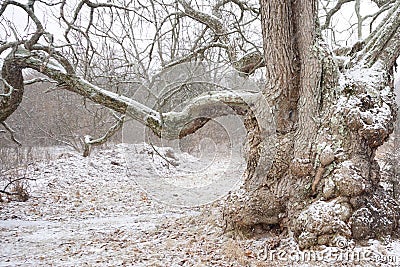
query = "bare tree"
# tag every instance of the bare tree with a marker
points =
(332, 109)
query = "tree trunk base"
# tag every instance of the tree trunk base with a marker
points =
(353, 210)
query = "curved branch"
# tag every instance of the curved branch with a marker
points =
(384, 43)
(170, 125)
(194, 53)
(213, 23)
(246, 64)
(29, 10)
(12, 78)
(89, 141)
(204, 108)
(332, 12)
(381, 3)
(57, 55)
(12, 133)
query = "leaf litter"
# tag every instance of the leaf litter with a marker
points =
(90, 212)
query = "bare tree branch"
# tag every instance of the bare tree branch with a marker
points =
(11, 131)
(13, 181)
(29, 10)
(170, 125)
(247, 64)
(89, 141)
(381, 3)
(384, 43)
(195, 53)
(241, 4)
(332, 12)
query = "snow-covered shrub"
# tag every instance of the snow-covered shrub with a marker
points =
(14, 164)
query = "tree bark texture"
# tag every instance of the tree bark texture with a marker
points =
(323, 184)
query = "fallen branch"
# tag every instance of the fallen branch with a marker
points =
(13, 181)
(158, 153)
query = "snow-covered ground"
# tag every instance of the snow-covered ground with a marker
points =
(105, 210)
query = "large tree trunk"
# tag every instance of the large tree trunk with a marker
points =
(323, 184)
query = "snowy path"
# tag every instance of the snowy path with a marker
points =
(89, 212)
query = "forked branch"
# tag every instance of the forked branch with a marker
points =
(170, 125)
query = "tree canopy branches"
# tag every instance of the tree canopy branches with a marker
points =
(99, 35)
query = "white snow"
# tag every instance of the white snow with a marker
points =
(55, 65)
(92, 212)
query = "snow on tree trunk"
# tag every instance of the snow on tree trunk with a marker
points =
(324, 181)
(14, 89)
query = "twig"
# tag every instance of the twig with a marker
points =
(158, 153)
(12, 132)
(15, 180)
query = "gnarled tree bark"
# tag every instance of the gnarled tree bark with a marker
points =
(324, 181)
